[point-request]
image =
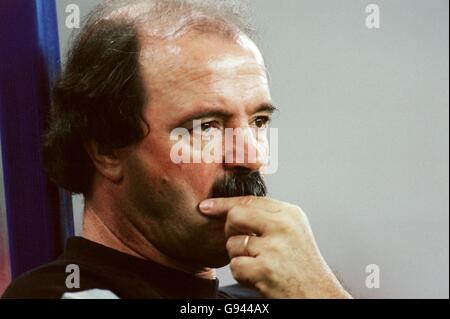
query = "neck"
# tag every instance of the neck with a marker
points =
(97, 230)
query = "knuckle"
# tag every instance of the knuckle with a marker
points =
(297, 213)
(273, 246)
(258, 267)
(235, 268)
(247, 200)
(285, 228)
(265, 269)
(285, 225)
(233, 265)
(261, 286)
(231, 244)
(234, 214)
(297, 210)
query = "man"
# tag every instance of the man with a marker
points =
(155, 227)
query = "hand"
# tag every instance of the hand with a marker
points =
(272, 248)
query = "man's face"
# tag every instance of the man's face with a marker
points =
(210, 78)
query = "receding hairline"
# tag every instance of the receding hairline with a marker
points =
(161, 19)
(158, 22)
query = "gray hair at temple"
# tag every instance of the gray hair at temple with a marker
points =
(100, 95)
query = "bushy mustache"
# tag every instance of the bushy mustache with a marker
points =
(240, 182)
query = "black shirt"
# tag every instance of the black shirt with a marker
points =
(126, 276)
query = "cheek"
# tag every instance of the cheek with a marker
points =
(263, 147)
(157, 154)
(196, 179)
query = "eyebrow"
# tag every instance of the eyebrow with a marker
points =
(265, 107)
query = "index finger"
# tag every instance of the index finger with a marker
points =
(219, 206)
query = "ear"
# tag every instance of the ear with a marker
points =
(108, 163)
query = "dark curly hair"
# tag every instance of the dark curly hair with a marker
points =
(100, 96)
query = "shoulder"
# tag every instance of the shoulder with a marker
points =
(43, 282)
(50, 282)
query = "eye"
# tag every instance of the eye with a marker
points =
(206, 127)
(261, 121)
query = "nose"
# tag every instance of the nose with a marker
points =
(243, 149)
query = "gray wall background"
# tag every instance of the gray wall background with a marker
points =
(363, 134)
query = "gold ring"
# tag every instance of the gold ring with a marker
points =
(246, 240)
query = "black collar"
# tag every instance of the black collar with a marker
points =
(130, 270)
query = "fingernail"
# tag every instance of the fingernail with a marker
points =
(206, 204)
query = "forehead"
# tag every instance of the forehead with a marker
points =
(204, 69)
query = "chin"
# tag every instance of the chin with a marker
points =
(207, 258)
(207, 244)
(219, 260)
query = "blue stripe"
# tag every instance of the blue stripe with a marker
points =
(29, 61)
